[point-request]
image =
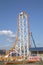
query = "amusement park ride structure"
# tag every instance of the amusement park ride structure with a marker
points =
(20, 49)
(23, 34)
(22, 43)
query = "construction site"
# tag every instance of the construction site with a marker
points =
(21, 53)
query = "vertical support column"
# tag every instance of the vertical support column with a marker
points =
(27, 36)
(23, 35)
(19, 32)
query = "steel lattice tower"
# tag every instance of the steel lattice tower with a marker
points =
(23, 34)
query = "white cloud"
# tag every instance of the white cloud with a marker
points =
(7, 32)
(10, 40)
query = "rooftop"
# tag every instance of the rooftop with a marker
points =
(36, 49)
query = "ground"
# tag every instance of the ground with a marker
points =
(38, 63)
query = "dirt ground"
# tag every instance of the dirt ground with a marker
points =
(38, 63)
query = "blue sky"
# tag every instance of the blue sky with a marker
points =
(9, 10)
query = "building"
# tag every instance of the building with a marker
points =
(38, 51)
(2, 52)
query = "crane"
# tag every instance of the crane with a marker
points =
(34, 43)
(33, 40)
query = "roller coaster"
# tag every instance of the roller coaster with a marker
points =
(22, 43)
(20, 50)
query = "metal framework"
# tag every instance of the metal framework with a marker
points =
(23, 34)
(22, 43)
